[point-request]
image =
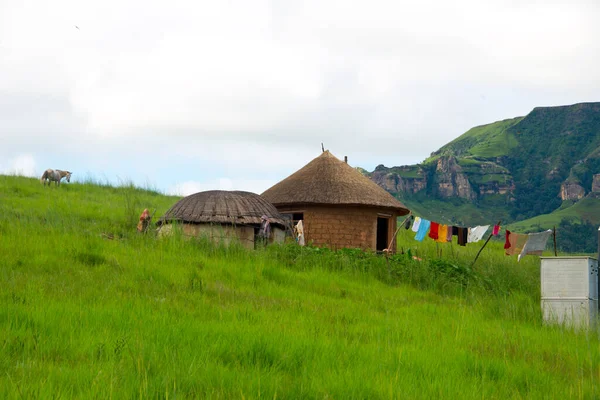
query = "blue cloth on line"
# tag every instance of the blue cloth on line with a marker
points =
(423, 228)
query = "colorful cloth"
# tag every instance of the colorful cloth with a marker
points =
(536, 243)
(433, 230)
(423, 228)
(449, 236)
(496, 230)
(507, 240)
(463, 234)
(516, 243)
(476, 233)
(415, 227)
(442, 234)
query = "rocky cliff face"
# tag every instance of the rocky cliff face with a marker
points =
(446, 178)
(400, 179)
(450, 180)
(571, 191)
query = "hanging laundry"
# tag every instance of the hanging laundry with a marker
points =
(476, 233)
(463, 234)
(442, 234)
(415, 227)
(423, 228)
(449, 235)
(516, 242)
(408, 222)
(496, 230)
(536, 243)
(507, 240)
(455, 231)
(433, 230)
(300, 233)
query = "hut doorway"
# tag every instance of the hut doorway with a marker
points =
(383, 225)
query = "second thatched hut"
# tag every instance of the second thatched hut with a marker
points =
(225, 216)
(338, 205)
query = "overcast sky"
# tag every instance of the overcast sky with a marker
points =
(198, 95)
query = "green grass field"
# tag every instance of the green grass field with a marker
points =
(91, 309)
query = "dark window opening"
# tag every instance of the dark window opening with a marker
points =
(293, 219)
(297, 217)
(382, 233)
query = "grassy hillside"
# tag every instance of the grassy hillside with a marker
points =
(89, 308)
(583, 210)
(483, 142)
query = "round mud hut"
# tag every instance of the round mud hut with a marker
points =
(338, 206)
(225, 216)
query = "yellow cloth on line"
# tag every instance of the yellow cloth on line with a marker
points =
(442, 234)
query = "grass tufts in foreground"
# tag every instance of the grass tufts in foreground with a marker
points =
(89, 308)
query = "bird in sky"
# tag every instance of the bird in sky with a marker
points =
(77, 27)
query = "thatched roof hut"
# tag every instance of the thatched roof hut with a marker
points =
(223, 215)
(327, 180)
(339, 206)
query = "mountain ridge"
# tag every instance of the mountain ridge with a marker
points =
(514, 169)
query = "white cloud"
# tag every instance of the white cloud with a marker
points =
(23, 164)
(253, 88)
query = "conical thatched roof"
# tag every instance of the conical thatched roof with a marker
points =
(223, 207)
(327, 180)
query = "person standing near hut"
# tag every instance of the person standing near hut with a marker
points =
(264, 232)
(144, 223)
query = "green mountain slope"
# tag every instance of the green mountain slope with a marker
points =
(512, 170)
(587, 209)
(485, 141)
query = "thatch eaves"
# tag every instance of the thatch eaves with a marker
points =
(328, 180)
(222, 207)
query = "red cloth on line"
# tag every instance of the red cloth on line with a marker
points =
(506, 241)
(433, 230)
(496, 230)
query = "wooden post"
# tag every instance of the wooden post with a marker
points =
(598, 243)
(554, 235)
(485, 244)
(397, 229)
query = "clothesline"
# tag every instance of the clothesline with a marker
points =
(515, 243)
(443, 233)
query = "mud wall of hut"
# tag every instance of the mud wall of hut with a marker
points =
(343, 226)
(219, 234)
(224, 234)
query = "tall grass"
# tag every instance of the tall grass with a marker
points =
(90, 308)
